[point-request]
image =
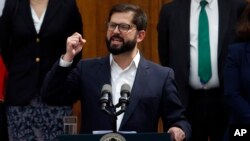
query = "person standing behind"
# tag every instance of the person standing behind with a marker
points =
(237, 74)
(32, 36)
(180, 47)
(153, 94)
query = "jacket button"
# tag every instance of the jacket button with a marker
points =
(37, 40)
(37, 59)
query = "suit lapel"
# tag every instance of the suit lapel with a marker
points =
(185, 15)
(180, 27)
(52, 9)
(184, 18)
(137, 90)
(224, 8)
(103, 74)
(26, 9)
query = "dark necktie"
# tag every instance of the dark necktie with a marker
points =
(204, 61)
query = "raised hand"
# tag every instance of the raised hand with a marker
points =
(74, 45)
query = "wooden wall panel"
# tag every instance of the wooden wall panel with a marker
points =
(94, 14)
(88, 11)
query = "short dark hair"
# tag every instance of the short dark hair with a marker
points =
(139, 19)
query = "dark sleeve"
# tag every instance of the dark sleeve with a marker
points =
(61, 85)
(163, 40)
(237, 104)
(173, 110)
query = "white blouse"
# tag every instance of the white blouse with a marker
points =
(37, 22)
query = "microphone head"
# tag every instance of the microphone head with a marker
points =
(105, 96)
(125, 88)
(106, 89)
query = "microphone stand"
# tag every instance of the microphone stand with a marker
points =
(106, 102)
(114, 115)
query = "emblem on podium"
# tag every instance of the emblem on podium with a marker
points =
(112, 137)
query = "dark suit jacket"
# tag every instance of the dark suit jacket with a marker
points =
(29, 55)
(237, 82)
(174, 37)
(153, 95)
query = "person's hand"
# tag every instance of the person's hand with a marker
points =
(74, 45)
(176, 133)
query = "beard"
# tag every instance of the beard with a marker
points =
(125, 47)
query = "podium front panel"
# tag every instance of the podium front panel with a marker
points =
(128, 137)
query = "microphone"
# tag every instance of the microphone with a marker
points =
(106, 94)
(125, 94)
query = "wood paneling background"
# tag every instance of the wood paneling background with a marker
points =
(94, 14)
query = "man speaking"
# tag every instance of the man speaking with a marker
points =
(153, 89)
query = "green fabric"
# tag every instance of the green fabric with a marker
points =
(204, 62)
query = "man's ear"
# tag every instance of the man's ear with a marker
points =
(141, 35)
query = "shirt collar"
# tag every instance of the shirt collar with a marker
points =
(135, 60)
(210, 2)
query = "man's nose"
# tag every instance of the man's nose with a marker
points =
(116, 30)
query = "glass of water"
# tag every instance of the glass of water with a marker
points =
(70, 125)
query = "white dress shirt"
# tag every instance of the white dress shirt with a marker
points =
(119, 77)
(213, 18)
